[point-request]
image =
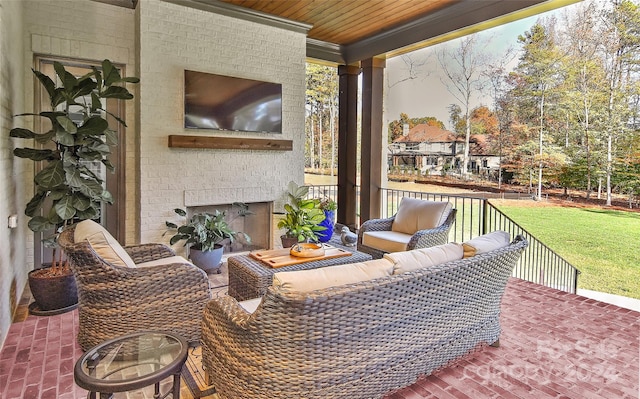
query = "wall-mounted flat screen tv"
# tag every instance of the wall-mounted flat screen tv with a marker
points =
(229, 103)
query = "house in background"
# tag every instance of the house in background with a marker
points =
(431, 150)
(426, 148)
(483, 160)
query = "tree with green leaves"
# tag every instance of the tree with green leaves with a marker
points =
(620, 35)
(584, 87)
(322, 114)
(584, 101)
(538, 76)
(66, 189)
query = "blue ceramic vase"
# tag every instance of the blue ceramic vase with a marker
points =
(328, 222)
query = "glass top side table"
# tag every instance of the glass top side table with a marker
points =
(131, 362)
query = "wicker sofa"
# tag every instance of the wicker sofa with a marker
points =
(358, 340)
(152, 290)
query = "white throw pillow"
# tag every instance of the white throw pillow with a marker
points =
(103, 243)
(486, 243)
(331, 276)
(424, 257)
(415, 214)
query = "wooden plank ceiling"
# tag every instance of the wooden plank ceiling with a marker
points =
(348, 31)
(345, 22)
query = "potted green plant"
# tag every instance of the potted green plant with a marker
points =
(66, 189)
(204, 234)
(302, 217)
(328, 207)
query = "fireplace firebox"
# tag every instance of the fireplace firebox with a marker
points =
(257, 224)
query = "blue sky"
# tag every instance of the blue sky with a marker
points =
(427, 95)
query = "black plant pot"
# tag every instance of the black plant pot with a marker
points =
(288, 242)
(52, 294)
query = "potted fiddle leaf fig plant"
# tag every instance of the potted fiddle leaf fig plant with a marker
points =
(205, 233)
(302, 217)
(67, 190)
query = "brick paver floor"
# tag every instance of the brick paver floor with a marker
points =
(553, 345)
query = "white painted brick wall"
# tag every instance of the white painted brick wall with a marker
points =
(13, 171)
(174, 38)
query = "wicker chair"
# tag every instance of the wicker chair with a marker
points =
(115, 300)
(356, 341)
(409, 240)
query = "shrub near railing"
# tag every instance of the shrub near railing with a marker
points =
(476, 216)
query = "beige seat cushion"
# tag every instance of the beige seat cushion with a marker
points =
(388, 241)
(331, 276)
(486, 243)
(164, 261)
(419, 258)
(103, 243)
(415, 214)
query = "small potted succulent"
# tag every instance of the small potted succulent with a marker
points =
(328, 207)
(205, 233)
(302, 217)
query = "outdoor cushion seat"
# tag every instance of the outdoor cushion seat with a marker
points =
(417, 224)
(387, 241)
(123, 290)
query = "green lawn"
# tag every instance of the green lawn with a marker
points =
(603, 244)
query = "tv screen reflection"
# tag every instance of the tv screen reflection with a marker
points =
(230, 103)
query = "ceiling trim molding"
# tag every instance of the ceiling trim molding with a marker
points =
(325, 51)
(120, 3)
(247, 14)
(464, 14)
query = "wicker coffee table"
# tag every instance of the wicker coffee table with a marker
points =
(249, 278)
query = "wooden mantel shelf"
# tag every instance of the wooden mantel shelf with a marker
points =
(181, 141)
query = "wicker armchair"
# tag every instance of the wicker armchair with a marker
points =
(116, 300)
(356, 341)
(404, 241)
